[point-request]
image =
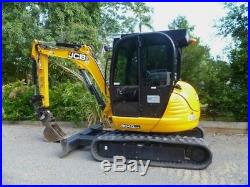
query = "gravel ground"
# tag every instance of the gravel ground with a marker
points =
(28, 159)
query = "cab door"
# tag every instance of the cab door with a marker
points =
(124, 78)
(142, 75)
(157, 62)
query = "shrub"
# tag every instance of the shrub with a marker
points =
(69, 102)
(16, 101)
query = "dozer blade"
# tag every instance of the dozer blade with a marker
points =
(81, 139)
(53, 132)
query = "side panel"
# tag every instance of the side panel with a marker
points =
(183, 110)
(178, 116)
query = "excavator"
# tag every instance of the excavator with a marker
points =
(153, 114)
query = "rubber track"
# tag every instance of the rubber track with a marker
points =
(115, 136)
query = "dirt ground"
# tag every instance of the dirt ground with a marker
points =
(28, 159)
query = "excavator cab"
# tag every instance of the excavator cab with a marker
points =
(144, 70)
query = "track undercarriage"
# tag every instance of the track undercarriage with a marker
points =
(183, 150)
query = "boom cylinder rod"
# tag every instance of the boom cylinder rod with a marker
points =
(88, 83)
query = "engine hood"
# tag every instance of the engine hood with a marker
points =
(189, 94)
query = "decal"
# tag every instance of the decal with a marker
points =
(78, 56)
(153, 99)
(130, 126)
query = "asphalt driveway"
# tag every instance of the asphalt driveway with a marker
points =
(28, 159)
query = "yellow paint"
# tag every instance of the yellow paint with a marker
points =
(43, 82)
(178, 116)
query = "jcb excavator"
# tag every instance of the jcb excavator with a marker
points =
(154, 115)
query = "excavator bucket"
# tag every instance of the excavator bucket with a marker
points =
(53, 133)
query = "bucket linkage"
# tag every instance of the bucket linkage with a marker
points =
(52, 132)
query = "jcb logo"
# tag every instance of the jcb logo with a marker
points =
(78, 56)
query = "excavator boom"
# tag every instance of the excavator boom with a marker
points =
(82, 56)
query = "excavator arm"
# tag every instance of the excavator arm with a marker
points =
(82, 56)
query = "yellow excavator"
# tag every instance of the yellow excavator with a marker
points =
(154, 115)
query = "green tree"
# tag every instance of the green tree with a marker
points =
(19, 26)
(69, 23)
(142, 15)
(209, 76)
(88, 23)
(214, 88)
(235, 25)
(193, 57)
(181, 22)
(119, 18)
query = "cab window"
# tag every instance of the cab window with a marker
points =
(126, 68)
(157, 65)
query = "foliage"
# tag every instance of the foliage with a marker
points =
(235, 25)
(142, 15)
(69, 102)
(16, 101)
(119, 18)
(85, 23)
(193, 57)
(214, 88)
(209, 76)
(71, 22)
(19, 27)
(180, 22)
